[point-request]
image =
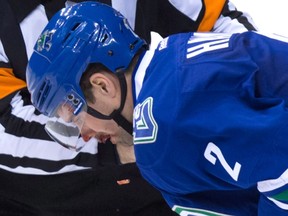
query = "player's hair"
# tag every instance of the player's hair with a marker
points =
(85, 83)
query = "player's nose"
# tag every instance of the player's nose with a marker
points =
(86, 138)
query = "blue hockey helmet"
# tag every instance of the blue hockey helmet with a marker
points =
(84, 33)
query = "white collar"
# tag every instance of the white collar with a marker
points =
(145, 61)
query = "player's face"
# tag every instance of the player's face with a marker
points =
(107, 98)
(104, 130)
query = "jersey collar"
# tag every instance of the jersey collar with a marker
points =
(143, 63)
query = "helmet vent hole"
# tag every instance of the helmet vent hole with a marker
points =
(43, 92)
(75, 27)
(67, 38)
(103, 38)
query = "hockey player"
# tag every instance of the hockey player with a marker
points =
(209, 110)
(30, 162)
(22, 126)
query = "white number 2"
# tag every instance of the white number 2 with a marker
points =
(212, 148)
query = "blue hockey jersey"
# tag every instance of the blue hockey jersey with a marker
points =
(211, 123)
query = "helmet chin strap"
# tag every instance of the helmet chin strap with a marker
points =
(116, 114)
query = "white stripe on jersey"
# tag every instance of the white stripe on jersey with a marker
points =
(127, 9)
(37, 20)
(273, 184)
(226, 24)
(190, 8)
(279, 204)
(276, 185)
(25, 112)
(3, 56)
(34, 171)
(139, 76)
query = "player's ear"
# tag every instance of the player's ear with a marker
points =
(103, 84)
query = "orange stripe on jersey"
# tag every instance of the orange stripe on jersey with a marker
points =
(213, 9)
(9, 83)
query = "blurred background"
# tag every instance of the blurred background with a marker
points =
(269, 16)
